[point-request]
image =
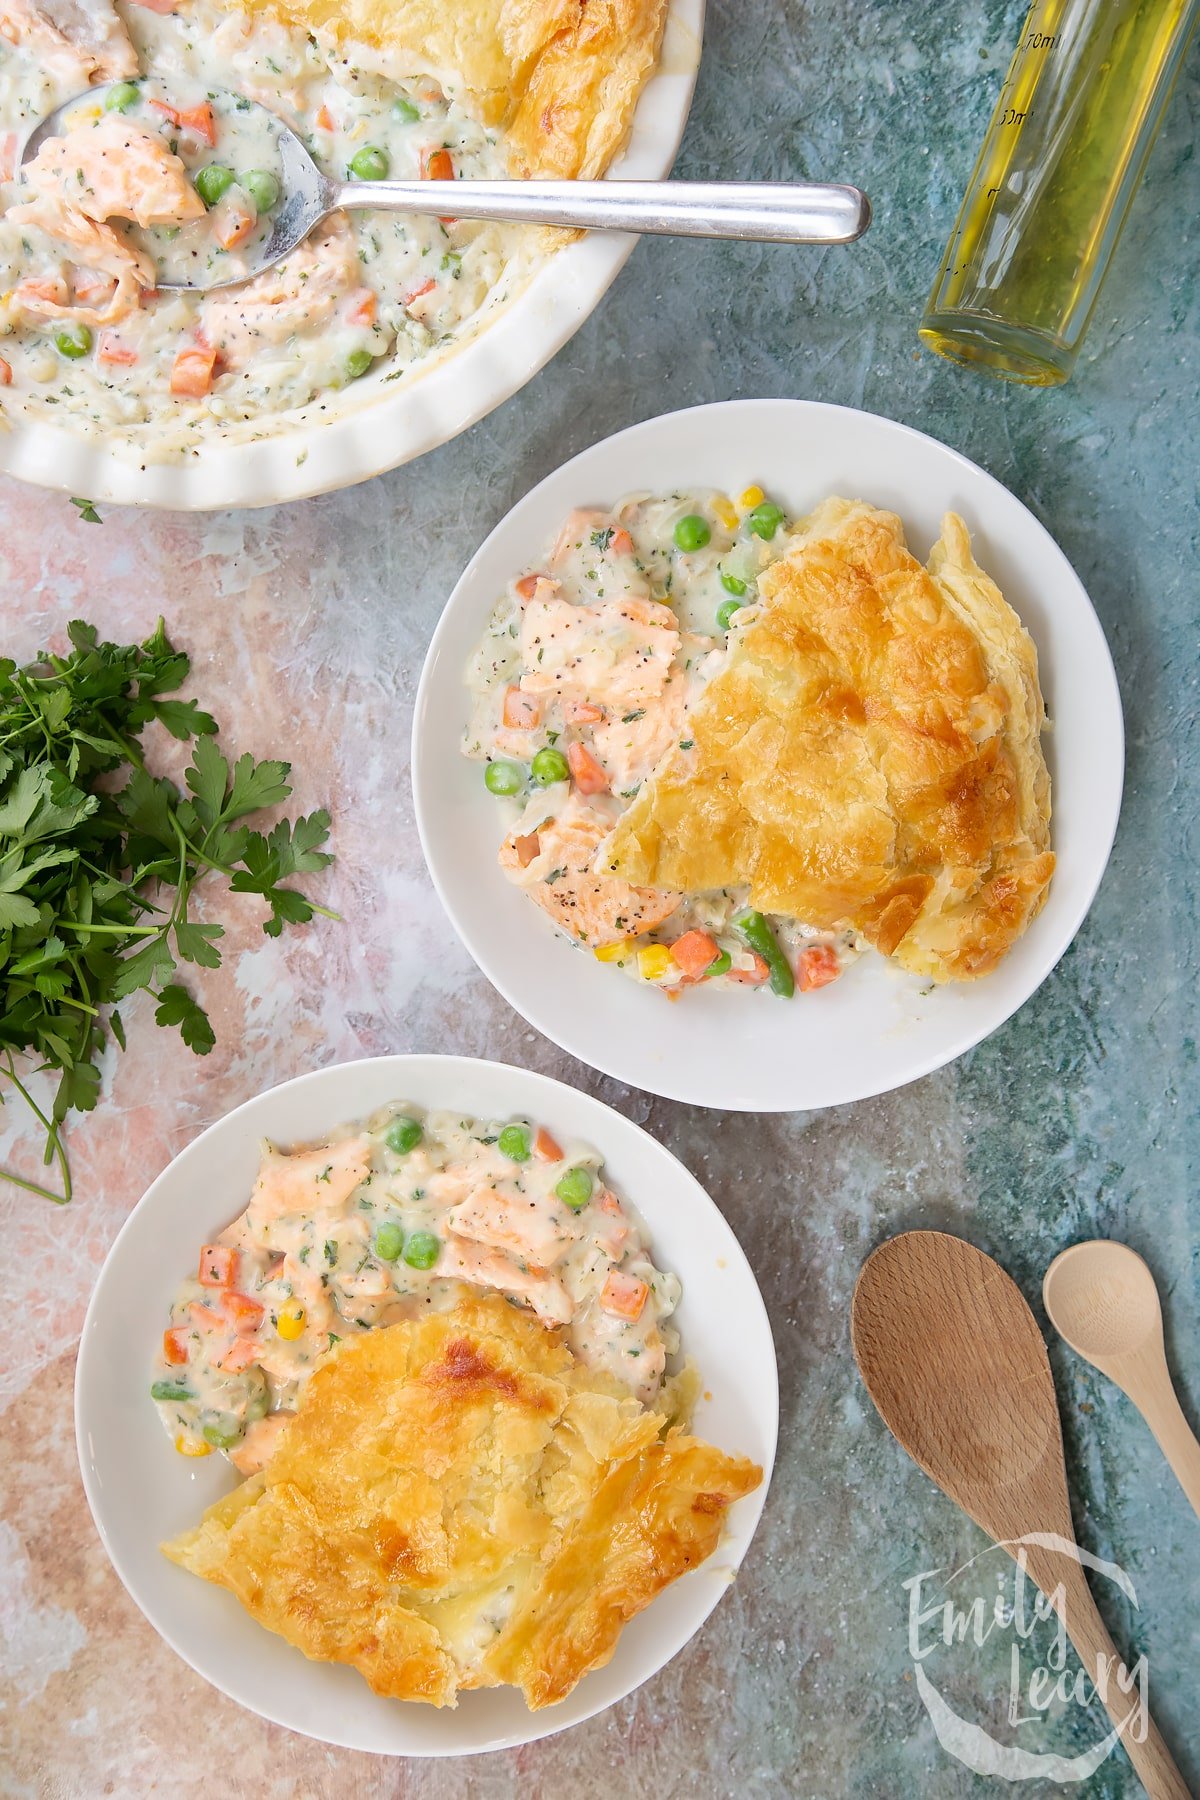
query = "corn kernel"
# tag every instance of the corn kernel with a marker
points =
(607, 953)
(726, 511)
(291, 1320)
(752, 497)
(653, 961)
(187, 1446)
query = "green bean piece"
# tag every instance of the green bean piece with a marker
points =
(170, 1390)
(122, 96)
(720, 965)
(220, 1438)
(358, 362)
(404, 110)
(733, 584)
(760, 938)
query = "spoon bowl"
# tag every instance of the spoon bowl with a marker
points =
(765, 212)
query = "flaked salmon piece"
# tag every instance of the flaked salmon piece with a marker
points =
(97, 247)
(529, 1226)
(300, 293)
(80, 40)
(592, 908)
(308, 1181)
(259, 1444)
(484, 1267)
(577, 528)
(616, 654)
(115, 169)
(633, 743)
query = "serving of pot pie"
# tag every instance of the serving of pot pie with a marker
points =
(459, 1503)
(868, 756)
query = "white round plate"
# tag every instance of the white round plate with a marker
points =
(141, 1492)
(876, 1028)
(372, 426)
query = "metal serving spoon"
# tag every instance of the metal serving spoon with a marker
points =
(761, 211)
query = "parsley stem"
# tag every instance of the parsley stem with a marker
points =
(116, 930)
(54, 1146)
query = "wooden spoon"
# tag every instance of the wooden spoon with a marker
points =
(1102, 1298)
(954, 1360)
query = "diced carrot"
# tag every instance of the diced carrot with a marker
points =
(192, 372)
(325, 120)
(624, 1295)
(243, 1313)
(175, 1345)
(527, 586)
(622, 543)
(364, 307)
(112, 351)
(417, 293)
(582, 712)
(752, 977)
(694, 951)
(527, 848)
(545, 1146)
(817, 966)
(232, 221)
(5, 373)
(587, 773)
(201, 122)
(170, 113)
(437, 165)
(521, 711)
(240, 1354)
(218, 1265)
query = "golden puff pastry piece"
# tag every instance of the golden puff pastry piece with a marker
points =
(458, 1503)
(869, 756)
(563, 76)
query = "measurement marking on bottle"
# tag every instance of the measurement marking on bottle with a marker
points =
(1041, 40)
(1010, 116)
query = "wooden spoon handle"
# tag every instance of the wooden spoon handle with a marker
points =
(1120, 1695)
(1163, 1414)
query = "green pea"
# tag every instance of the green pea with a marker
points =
(170, 1390)
(403, 1135)
(574, 1188)
(221, 1437)
(720, 965)
(389, 1242)
(404, 110)
(262, 187)
(765, 520)
(73, 341)
(370, 163)
(733, 584)
(212, 181)
(358, 362)
(550, 766)
(503, 778)
(122, 96)
(726, 611)
(422, 1249)
(692, 532)
(514, 1143)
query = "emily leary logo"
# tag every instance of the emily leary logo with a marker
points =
(1041, 1679)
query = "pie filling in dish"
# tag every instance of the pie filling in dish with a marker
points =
(739, 749)
(163, 178)
(387, 1222)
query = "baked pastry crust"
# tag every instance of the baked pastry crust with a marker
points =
(870, 755)
(458, 1503)
(563, 76)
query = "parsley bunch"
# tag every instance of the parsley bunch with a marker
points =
(96, 877)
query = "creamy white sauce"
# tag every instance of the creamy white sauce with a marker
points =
(430, 283)
(605, 645)
(358, 1232)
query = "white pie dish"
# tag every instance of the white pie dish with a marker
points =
(876, 1028)
(370, 426)
(141, 1492)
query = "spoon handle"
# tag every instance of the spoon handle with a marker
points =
(1062, 1580)
(1158, 1404)
(764, 212)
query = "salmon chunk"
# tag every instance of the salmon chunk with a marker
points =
(530, 1227)
(311, 1180)
(98, 248)
(115, 170)
(299, 294)
(617, 654)
(487, 1268)
(560, 875)
(80, 41)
